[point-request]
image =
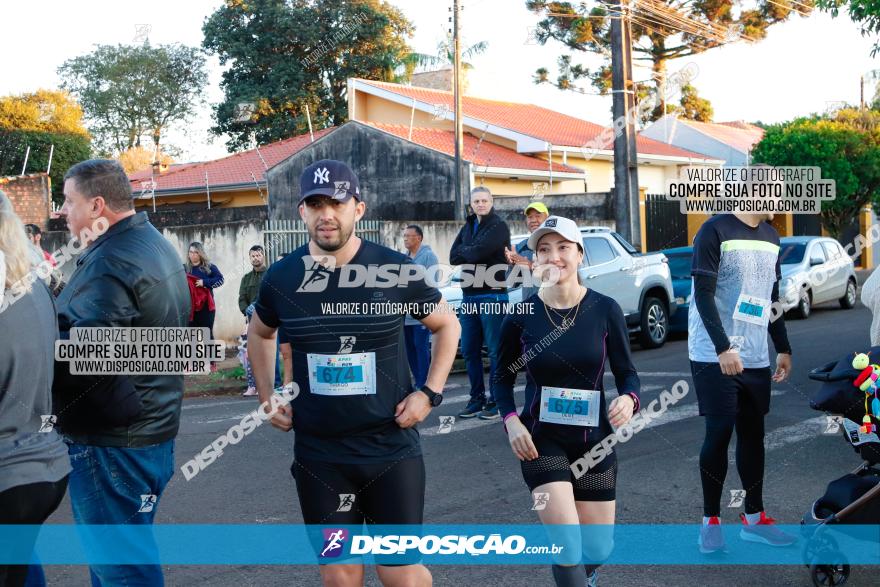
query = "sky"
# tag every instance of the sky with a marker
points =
(801, 67)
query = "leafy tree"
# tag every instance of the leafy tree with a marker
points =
(138, 158)
(445, 56)
(864, 12)
(47, 121)
(661, 31)
(129, 91)
(693, 107)
(69, 149)
(846, 148)
(285, 55)
(44, 110)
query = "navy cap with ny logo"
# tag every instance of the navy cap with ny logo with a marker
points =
(329, 178)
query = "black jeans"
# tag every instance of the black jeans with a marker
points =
(27, 504)
(204, 319)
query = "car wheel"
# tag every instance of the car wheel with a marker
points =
(848, 301)
(805, 305)
(654, 324)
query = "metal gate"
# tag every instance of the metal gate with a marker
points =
(806, 225)
(285, 236)
(665, 225)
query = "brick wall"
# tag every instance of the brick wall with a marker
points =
(30, 196)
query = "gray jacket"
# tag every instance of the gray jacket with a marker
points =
(27, 348)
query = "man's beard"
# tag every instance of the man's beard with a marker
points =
(331, 246)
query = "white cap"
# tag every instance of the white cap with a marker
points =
(564, 227)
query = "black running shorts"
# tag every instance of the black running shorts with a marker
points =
(554, 464)
(727, 395)
(337, 494)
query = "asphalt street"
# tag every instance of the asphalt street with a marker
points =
(473, 478)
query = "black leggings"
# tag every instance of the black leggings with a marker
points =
(27, 504)
(749, 425)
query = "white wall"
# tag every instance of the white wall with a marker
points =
(227, 247)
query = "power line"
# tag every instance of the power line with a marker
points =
(792, 8)
(665, 15)
(677, 20)
(650, 22)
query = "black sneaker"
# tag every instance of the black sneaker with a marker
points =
(473, 408)
(490, 412)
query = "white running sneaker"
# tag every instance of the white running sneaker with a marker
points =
(765, 532)
(711, 538)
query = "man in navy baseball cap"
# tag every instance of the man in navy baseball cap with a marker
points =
(329, 178)
(356, 417)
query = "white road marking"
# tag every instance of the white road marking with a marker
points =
(810, 428)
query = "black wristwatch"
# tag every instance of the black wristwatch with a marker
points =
(435, 398)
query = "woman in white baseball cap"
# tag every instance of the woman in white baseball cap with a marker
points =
(562, 345)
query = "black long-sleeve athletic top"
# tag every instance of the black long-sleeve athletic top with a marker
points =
(573, 358)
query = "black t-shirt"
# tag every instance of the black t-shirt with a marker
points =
(356, 428)
(574, 360)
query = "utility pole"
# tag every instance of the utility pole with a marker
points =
(862, 92)
(456, 82)
(633, 161)
(623, 99)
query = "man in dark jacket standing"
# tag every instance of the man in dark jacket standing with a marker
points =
(480, 249)
(247, 295)
(120, 429)
(250, 283)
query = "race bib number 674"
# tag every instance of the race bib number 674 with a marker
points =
(343, 374)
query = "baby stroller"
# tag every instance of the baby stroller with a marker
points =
(848, 387)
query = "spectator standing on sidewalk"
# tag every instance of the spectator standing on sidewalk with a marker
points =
(247, 295)
(536, 213)
(207, 277)
(120, 429)
(482, 241)
(34, 466)
(416, 334)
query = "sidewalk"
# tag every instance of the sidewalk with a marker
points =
(220, 383)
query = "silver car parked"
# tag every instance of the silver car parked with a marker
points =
(815, 270)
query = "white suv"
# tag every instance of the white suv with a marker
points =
(641, 284)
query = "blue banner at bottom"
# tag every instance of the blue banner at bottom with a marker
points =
(623, 544)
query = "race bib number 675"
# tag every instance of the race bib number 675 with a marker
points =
(576, 407)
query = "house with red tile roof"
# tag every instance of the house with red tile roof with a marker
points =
(514, 149)
(536, 143)
(233, 181)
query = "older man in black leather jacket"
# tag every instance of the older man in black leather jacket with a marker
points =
(120, 429)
